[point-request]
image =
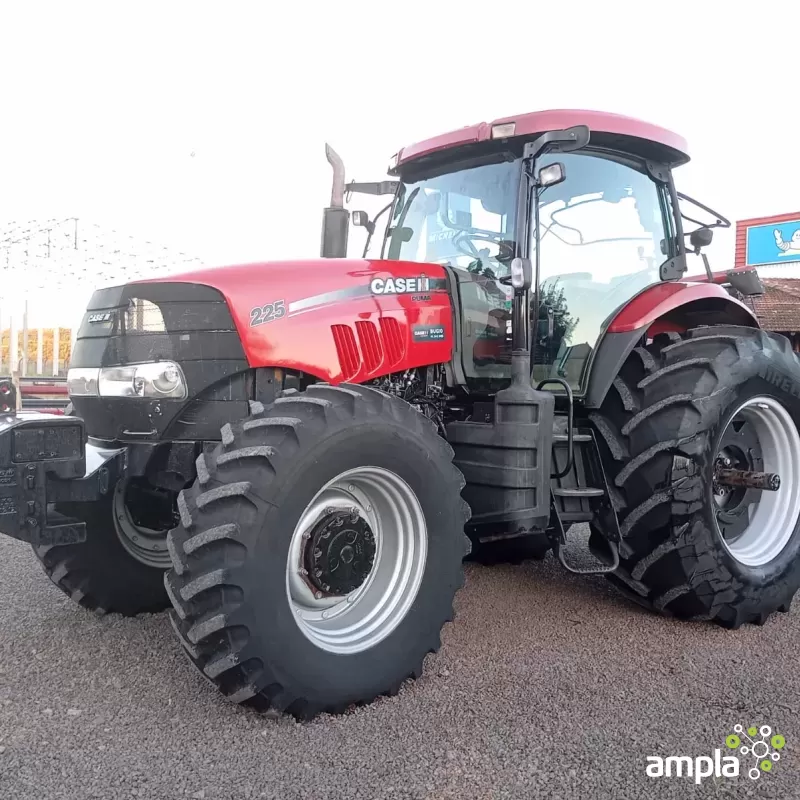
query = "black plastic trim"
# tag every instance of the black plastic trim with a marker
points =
(608, 359)
(457, 376)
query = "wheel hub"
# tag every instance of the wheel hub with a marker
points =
(753, 476)
(142, 518)
(356, 559)
(340, 552)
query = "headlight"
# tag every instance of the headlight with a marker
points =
(162, 379)
(82, 382)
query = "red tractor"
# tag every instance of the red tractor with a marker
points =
(298, 456)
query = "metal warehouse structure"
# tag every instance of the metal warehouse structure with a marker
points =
(48, 269)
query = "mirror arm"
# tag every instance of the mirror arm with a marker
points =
(721, 221)
(375, 188)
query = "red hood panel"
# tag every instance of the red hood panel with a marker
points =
(338, 319)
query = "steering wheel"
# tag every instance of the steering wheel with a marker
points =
(467, 237)
(505, 249)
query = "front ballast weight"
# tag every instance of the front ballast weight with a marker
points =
(43, 460)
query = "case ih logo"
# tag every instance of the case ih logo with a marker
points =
(103, 317)
(400, 285)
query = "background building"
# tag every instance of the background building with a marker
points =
(48, 271)
(770, 244)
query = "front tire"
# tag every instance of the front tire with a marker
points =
(689, 547)
(268, 614)
(101, 574)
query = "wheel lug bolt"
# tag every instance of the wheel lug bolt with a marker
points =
(318, 595)
(318, 553)
(318, 573)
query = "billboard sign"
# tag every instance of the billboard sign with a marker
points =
(773, 243)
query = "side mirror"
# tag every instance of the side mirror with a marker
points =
(702, 237)
(551, 175)
(361, 220)
(521, 274)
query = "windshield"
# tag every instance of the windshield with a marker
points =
(465, 219)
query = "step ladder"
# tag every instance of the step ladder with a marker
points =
(576, 465)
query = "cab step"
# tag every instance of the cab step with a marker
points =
(560, 491)
(607, 565)
(606, 560)
(563, 438)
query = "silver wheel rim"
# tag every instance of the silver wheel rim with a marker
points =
(357, 621)
(771, 516)
(145, 545)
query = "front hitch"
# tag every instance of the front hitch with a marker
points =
(45, 459)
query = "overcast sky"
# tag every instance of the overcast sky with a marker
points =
(202, 126)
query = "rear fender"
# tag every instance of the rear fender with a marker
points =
(663, 308)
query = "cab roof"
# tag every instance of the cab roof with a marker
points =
(628, 133)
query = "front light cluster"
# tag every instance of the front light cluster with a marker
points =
(162, 379)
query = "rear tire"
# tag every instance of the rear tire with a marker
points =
(669, 414)
(238, 560)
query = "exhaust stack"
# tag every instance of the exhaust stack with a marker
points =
(335, 218)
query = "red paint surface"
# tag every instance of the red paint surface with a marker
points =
(38, 389)
(541, 121)
(661, 298)
(740, 253)
(304, 340)
(664, 326)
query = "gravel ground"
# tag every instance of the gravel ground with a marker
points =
(548, 685)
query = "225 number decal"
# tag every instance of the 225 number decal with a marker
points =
(269, 312)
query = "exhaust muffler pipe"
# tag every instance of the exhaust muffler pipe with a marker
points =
(335, 218)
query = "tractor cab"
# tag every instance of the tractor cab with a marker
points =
(594, 212)
(605, 228)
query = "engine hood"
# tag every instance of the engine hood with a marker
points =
(304, 283)
(289, 313)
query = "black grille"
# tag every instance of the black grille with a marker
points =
(183, 322)
(142, 316)
(146, 322)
